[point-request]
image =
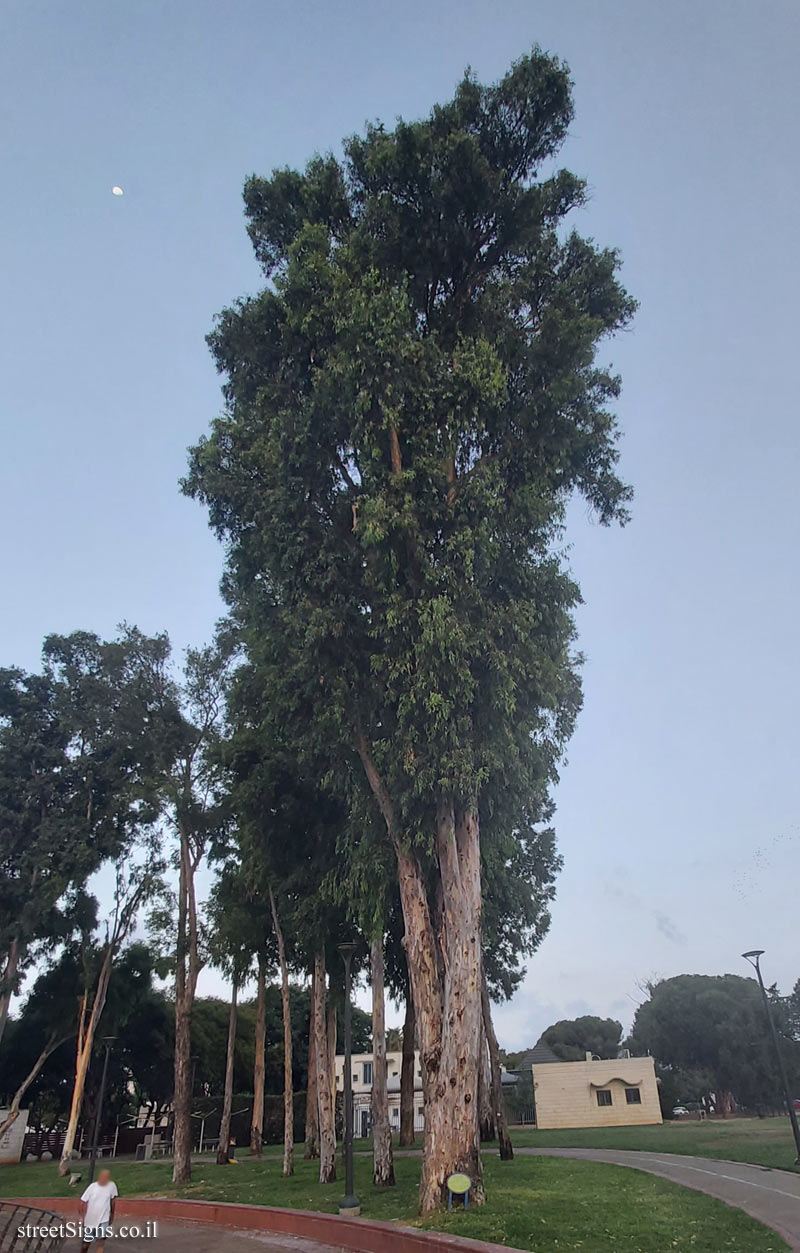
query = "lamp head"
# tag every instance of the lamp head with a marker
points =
(347, 948)
(753, 958)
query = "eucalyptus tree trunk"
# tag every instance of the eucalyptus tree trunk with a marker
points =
(187, 969)
(312, 1083)
(444, 963)
(88, 1021)
(407, 1076)
(327, 1129)
(8, 981)
(331, 1038)
(223, 1153)
(498, 1100)
(257, 1123)
(486, 1122)
(286, 1009)
(382, 1162)
(451, 1121)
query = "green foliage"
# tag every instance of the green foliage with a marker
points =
(411, 401)
(50, 1010)
(79, 772)
(239, 926)
(136, 1015)
(210, 1032)
(715, 1026)
(572, 1038)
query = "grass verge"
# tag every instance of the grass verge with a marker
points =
(762, 1141)
(545, 1205)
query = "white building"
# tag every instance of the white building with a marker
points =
(362, 1090)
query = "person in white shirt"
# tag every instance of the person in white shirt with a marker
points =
(98, 1214)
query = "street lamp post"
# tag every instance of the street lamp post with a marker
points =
(349, 1206)
(753, 957)
(109, 1040)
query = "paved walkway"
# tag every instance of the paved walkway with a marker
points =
(771, 1196)
(198, 1238)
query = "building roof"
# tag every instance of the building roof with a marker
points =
(538, 1056)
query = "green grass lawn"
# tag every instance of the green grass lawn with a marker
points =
(763, 1141)
(542, 1204)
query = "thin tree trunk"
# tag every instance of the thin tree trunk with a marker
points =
(186, 973)
(8, 981)
(312, 1098)
(331, 1038)
(485, 1113)
(257, 1124)
(87, 1029)
(498, 1100)
(13, 1110)
(286, 1008)
(223, 1154)
(182, 1081)
(407, 1076)
(382, 1164)
(327, 1131)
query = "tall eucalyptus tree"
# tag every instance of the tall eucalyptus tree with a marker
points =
(411, 402)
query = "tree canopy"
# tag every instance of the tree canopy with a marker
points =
(572, 1038)
(714, 1026)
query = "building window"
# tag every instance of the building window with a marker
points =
(633, 1096)
(367, 1067)
(604, 1097)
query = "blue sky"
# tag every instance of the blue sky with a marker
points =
(678, 808)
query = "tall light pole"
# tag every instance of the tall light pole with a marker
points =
(109, 1040)
(349, 1206)
(754, 958)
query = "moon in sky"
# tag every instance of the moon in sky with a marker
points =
(117, 191)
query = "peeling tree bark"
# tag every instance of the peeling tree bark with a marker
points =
(288, 1088)
(452, 1121)
(327, 1131)
(312, 1098)
(8, 981)
(485, 1113)
(498, 1100)
(128, 897)
(331, 1071)
(257, 1123)
(224, 1151)
(407, 1077)
(383, 1164)
(445, 972)
(187, 969)
(88, 1020)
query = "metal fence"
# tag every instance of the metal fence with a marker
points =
(16, 1221)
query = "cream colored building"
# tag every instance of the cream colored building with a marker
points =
(362, 1070)
(596, 1093)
